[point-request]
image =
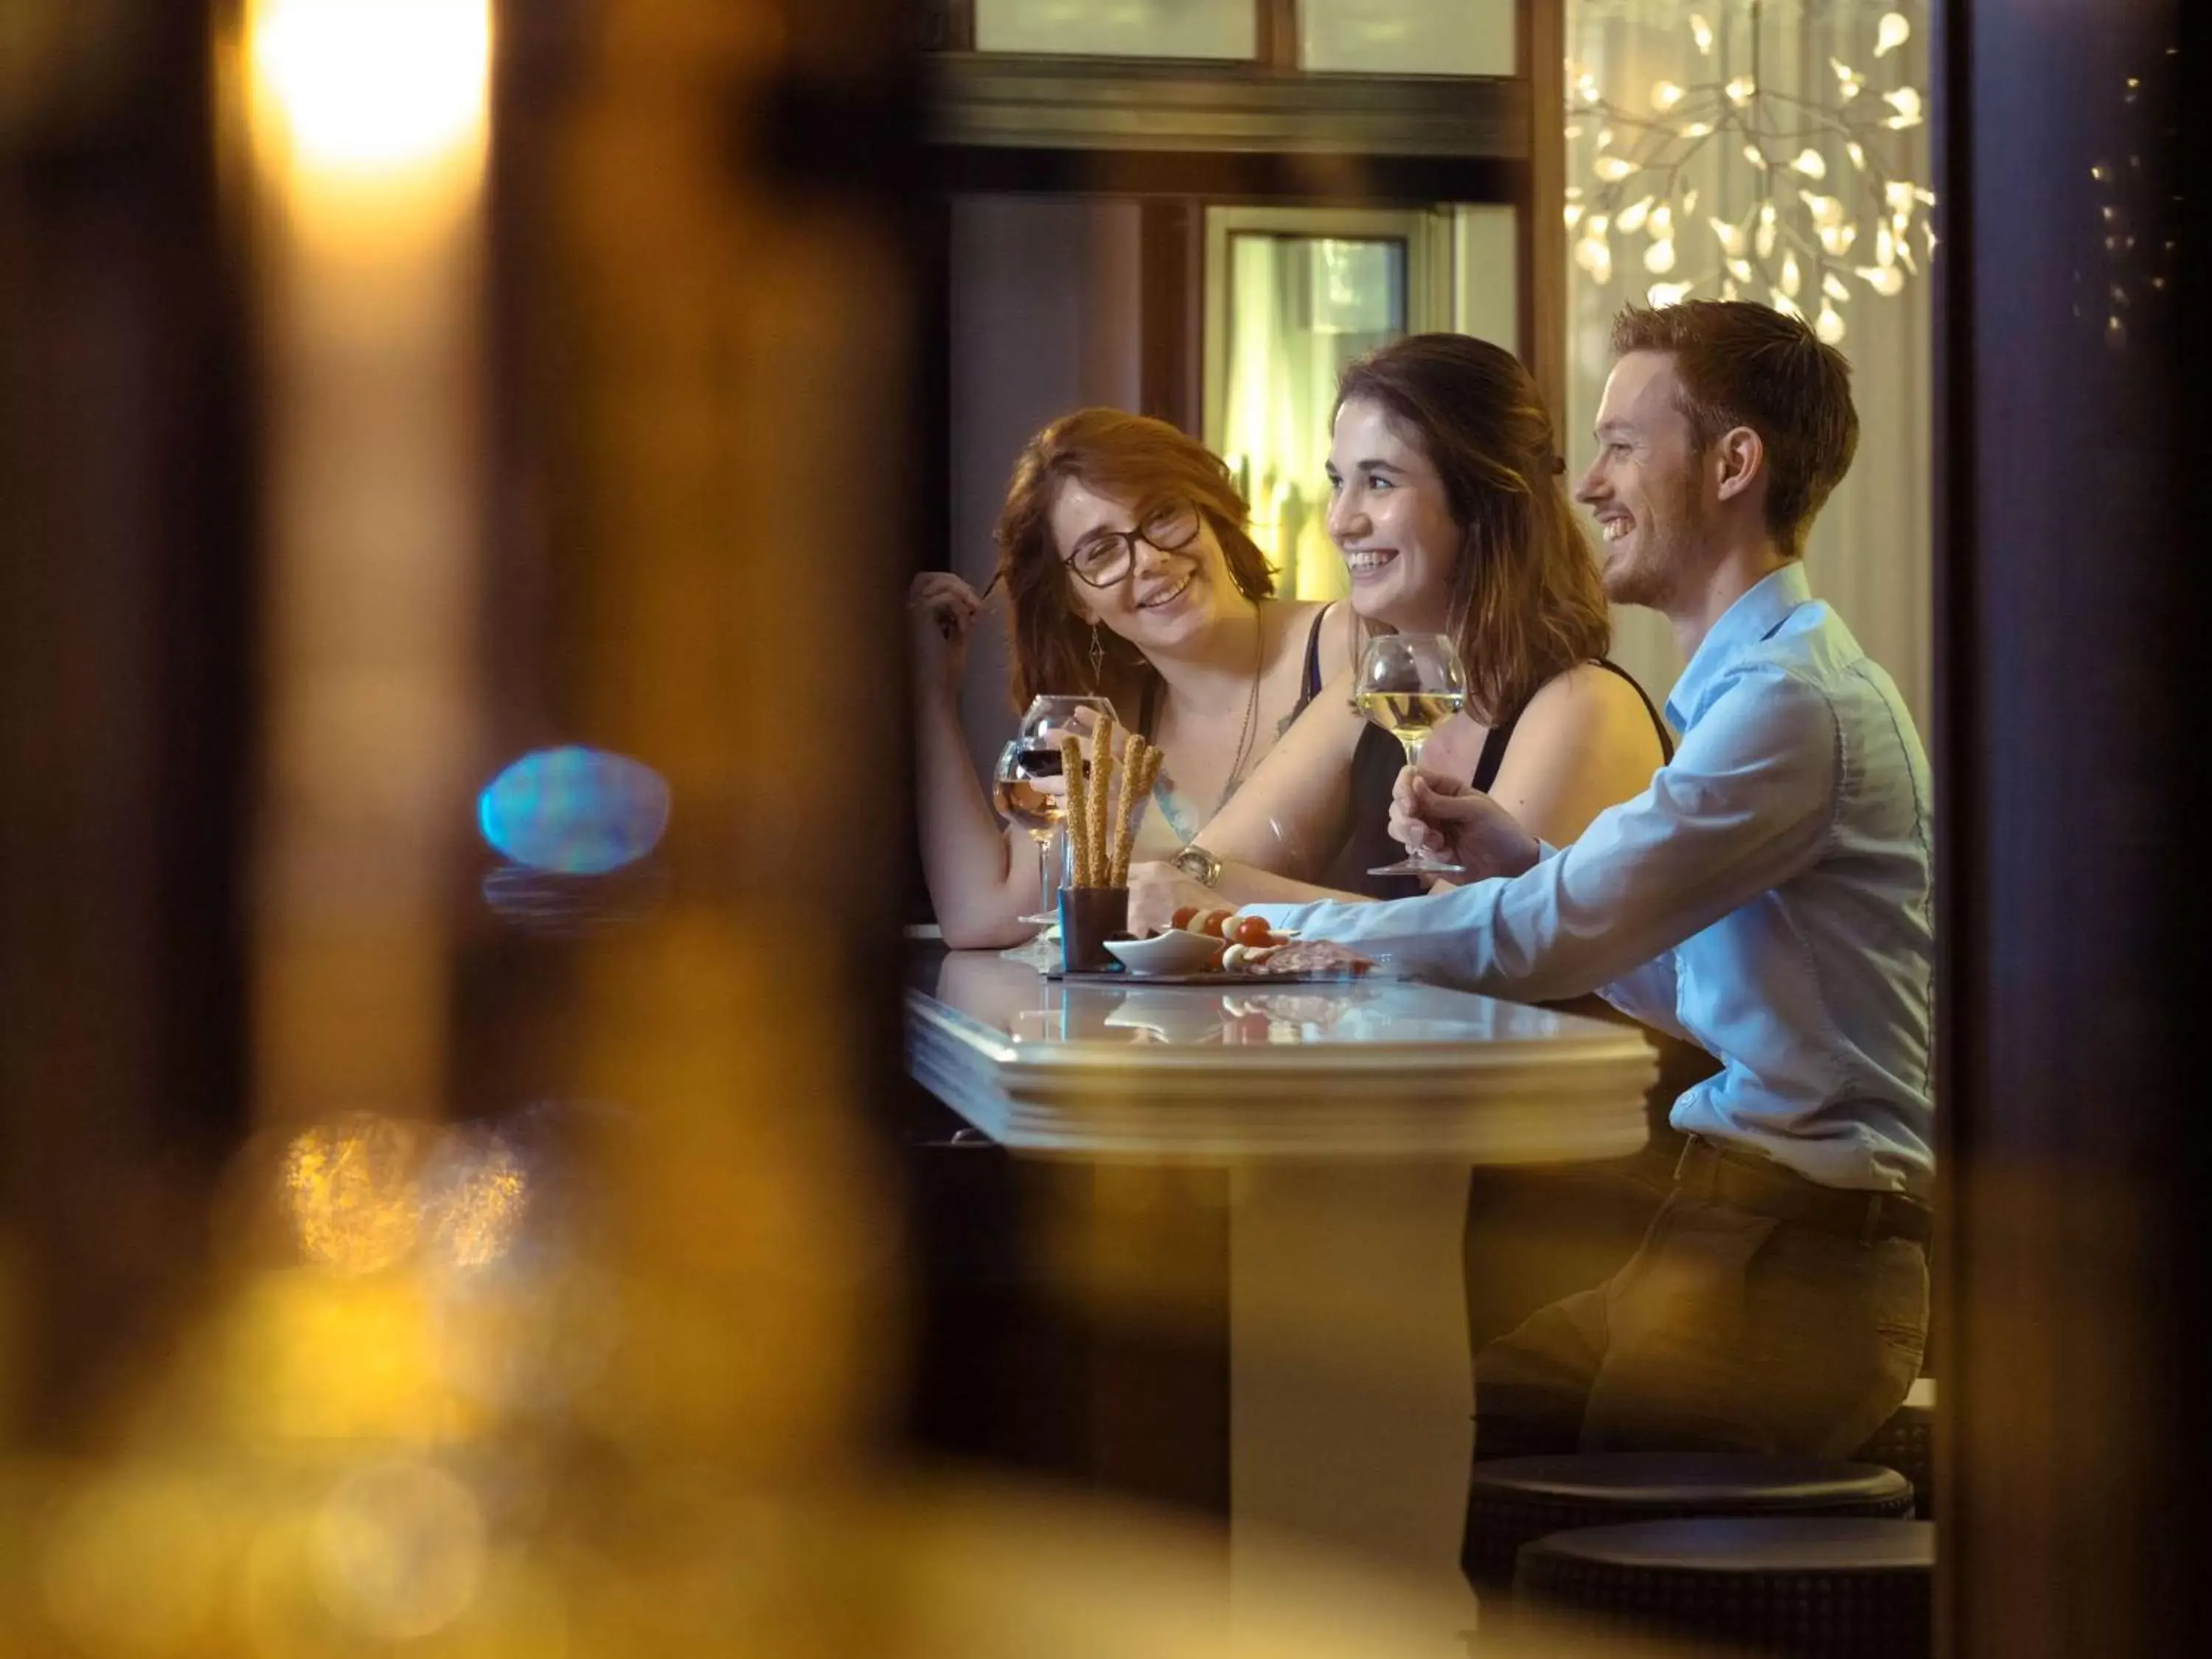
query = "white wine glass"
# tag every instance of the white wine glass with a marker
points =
(1409, 684)
(1033, 799)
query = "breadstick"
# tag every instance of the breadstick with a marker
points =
(1141, 768)
(1102, 796)
(1076, 807)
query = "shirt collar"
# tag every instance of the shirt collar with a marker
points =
(1764, 607)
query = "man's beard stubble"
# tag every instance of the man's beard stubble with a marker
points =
(1653, 576)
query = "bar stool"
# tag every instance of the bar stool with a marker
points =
(1515, 1500)
(1907, 1442)
(1804, 1589)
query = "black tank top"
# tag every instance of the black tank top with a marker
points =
(1376, 763)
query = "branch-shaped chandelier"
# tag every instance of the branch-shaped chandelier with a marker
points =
(1828, 198)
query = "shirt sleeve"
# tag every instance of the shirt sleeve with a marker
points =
(1746, 804)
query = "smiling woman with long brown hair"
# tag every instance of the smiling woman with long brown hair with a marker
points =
(1447, 502)
(1129, 574)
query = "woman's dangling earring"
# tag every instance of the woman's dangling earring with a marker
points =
(1097, 654)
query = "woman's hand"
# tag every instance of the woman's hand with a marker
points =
(943, 610)
(1157, 891)
(1432, 813)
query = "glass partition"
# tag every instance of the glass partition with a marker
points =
(1128, 28)
(1408, 37)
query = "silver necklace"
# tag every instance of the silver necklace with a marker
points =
(1251, 712)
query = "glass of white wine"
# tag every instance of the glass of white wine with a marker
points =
(1409, 684)
(1029, 795)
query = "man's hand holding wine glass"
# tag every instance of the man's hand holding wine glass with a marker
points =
(1433, 814)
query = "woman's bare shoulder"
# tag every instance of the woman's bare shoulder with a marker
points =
(1586, 700)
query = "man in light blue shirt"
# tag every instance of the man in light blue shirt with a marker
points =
(1768, 899)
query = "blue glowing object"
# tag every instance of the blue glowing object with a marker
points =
(580, 811)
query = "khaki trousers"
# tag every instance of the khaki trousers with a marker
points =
(1727, 1330)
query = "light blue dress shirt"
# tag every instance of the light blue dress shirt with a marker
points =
(1768, 899)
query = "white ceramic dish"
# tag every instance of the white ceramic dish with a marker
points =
(1173, 951)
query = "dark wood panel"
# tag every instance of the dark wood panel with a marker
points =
(1074, 103)
(2071, 1304)
(1542, 36)
(1172, 253)
(1314, 180)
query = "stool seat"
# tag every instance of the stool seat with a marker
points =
(1808, 1588)
(1907, 1442)
(1512, 1501)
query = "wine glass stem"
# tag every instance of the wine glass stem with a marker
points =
(1044, 871)
(1413, 747)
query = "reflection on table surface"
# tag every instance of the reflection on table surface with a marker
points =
(1015, 1001)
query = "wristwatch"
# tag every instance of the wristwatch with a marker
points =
(1200, 866)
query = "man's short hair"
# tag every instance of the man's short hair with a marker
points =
(1741, 364)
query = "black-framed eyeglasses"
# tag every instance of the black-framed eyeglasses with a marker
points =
(1106, 556)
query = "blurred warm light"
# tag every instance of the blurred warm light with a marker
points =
(399, 1550)
(350, 1189)
(134, 1564)
(474, 1202)
(370, 86)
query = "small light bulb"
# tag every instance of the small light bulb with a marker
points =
(1792, 278)
(1756, 156)
(1825, 209)
(1574, 213)
(1728, 290)
(1856, 151)
(1739, 269)
(1662, 220)
(1729, 237)
(1830, 326)
(1697, 130)
(1835, 287)
(1882, 279)
(1613, 168)
(1667, 294)
(1893, 31)
(1633, 215)
(1665, 95)
(1659, 258)
(1702, 32)
(1741, 90)
(1783, 303)
(1811, 163)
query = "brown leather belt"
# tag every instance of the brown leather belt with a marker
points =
(1760, 1184)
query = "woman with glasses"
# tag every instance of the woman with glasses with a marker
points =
(1129, 574)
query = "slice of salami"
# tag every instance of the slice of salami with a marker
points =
(1313, 956)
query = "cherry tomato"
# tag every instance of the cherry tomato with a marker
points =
(1249, 930)
(1209, 922)
(1184, 916)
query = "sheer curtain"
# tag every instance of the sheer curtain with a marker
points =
(1869, 551)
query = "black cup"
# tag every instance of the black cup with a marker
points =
(1088, 917)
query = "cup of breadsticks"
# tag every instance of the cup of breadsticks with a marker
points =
(1102, 828)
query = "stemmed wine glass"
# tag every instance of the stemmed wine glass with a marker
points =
(1028, 790)
(1409, 684)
